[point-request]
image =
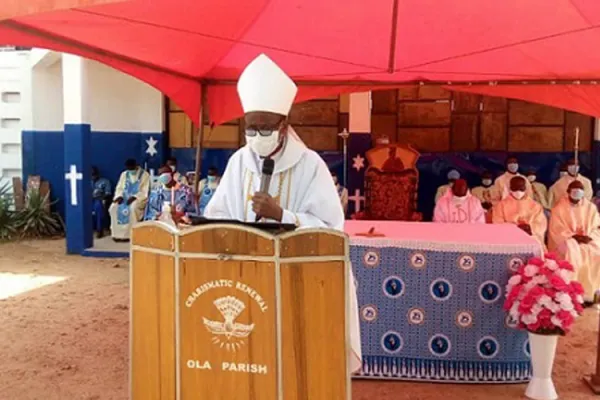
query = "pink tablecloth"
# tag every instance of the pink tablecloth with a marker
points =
(504, 238)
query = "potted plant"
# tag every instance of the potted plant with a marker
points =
(545, 300)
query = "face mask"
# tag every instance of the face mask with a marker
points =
(211, 178)
(563, 173)
(263, 145)
(487, 182)
(518, 194)
(573, 169)
(512, 168)
(173, 168)
(531, 178)
(164, 178)
(577, 194)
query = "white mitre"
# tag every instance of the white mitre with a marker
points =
(263, 86)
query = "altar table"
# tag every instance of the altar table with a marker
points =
(430, 299)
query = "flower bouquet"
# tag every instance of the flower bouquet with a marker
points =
(543, 298)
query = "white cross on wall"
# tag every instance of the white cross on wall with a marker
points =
(357, 198)
(73, 176)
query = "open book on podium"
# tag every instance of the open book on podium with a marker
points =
(225, 311)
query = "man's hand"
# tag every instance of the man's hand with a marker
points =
(583, 239)
(131, 200)
(118, 200)
(265, 206)
(525, 228)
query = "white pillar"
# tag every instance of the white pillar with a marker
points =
(360, 112)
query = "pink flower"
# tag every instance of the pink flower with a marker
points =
(535, 326)
(551, 264)
(575, 287)
(558, 283)
(551, 256)
(566, 265)
(566, 318)
(526, 304)
(536, 261)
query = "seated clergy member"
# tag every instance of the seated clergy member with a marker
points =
(575, 234)
(540, 192)
(207, 188)
(458, 206)
(559, 189)
(485, 192)
(301, 190)
(520, 209)
(168, 190)
(342, 191)
(453, 175)
(101, 192)
(129, 203)
(172, 164)
(502, 183)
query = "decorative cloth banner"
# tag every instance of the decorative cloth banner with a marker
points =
(434, 314)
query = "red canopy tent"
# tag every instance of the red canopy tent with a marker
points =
(335, 46)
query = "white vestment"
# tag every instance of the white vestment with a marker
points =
(559, 189)
(130, 185)
(502, 186)
(303, 187)
(468, 211)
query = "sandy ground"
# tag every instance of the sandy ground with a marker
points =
(68, 339)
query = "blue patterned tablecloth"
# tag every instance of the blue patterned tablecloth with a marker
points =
(436, 315)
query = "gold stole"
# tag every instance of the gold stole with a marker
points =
(283, 176)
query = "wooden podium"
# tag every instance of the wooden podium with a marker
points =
(227, 312)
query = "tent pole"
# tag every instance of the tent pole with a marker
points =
(200, 138)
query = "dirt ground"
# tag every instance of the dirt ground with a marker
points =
(68, 339)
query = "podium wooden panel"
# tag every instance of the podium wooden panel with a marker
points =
(229, 312)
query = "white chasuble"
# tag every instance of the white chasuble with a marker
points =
(303, 187)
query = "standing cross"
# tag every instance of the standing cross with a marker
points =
(357, 198)
(73, 176)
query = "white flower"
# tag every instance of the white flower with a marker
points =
(556, 321)
(565, 275)
(574, 313)
(514, 310)
(540, 280)
(531, 270)
(579, 299)
(565, 301)
(536, 309)
(545, 300)
(529, 285)
(529, 319)
(551, 265)
(553, 307)
(514, 280)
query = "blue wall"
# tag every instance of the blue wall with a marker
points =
(43, 154)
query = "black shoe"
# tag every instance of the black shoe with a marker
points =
(99, 235)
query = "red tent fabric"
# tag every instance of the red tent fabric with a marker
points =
(335, 46)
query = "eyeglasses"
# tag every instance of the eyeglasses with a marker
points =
(265, 130)
(262, 132)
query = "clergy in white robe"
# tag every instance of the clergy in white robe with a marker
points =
(540, 192)
(575, 234)
(342, 191)
(301, 190)
(458, 206)
(559, 189)
(129, 202)
(453, 175)
(521, 210)
(502, 183)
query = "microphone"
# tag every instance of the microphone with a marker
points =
(265, 180)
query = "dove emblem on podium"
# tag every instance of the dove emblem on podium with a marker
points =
(229, 334)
